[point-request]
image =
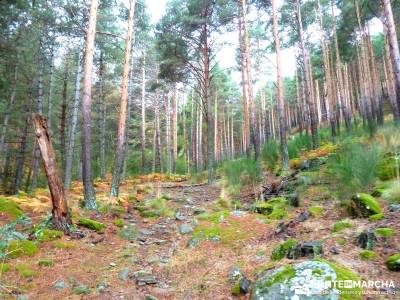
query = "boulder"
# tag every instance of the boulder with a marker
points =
(393, 262)
(306, 280)
(364, 205)
(185, 229)
(366, 239)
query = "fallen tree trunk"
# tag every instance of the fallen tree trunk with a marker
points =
(61, 218)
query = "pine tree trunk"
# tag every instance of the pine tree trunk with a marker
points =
(50, 94)
(19, 166)
(143, 115)
(168, 133)
(174, 128)
(102, 112)
(280, 100)
(307, 77)
(63, 118)
(390, 81)
(60, 216)
(120, 143)
(74, 124)
(89, 193)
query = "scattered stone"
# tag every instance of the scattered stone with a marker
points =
(192, 243)
(366, 239)
(303, 216)
(364, 205)
(101, 287)
(22, 297)
(145, 231)
(238, 213)
(152, 259)
(334, 250)
(393, 262)
(124, 274)
(60, 285)
(112, 264)
(394, 207)
(128, 233)
(302, 281)
(234, 275)
(185, 229)
(244, 285)
(198, 211)
(144, 277)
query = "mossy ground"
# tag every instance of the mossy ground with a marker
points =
(91, 224)
(341, 225)
(10, 208)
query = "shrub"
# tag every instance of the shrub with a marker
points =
(240, 172)
(392, 193)
(270, 154)
(298, 144)
(354, 167)
(283, 249)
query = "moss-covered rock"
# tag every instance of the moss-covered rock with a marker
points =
(364, 205)
(17, 248)
(47, 235)
(235, 290)
(387, 168)
(376, 217)
(25, 271)
(275, 208)
(46, 263)
(283, 249)
(91, 224)
(368, 255)
(384, 232)
(341, 225)
(10, 208)
(393, 262)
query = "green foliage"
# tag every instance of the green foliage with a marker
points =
(316, 211)
(119, 223)
(62, 245)
(47, 235)
(354, 167)
(112, 209)
(25, 271)
(17, 248)
(393, 262)
(298, 144)
(376, 217)
(235, 290)
(364, 205)
(46, 263)
(91, 224)
(215, 217)
(341, 225)
(240, 172)
(10, 208)
(389, 167)
(270, 154)
(384, 231)
(368, 255)
(4, 268)
(274, 208)
(392, 193)
(283, 274)
(283, 249)
(155, 208)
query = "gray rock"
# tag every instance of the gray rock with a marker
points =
(180, 217)
(198, 210)
(238, 213)
(394, 207)
(244, 285)
(234, 275)
(101, 287)
(22, 297)
(366, 239)
(60, 285)
(152, 259)
(192, 243)
(144, 231)
(185, 229)
(129, 233)
(144, 277)
(305, 281)
(124, 274)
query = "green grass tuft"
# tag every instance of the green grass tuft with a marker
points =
(368, 255)
(26, 271)
(341, 225)
(384, 232)
(17, 248)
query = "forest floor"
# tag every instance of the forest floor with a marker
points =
(186, 252)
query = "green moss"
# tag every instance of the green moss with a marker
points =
(17, 248)
(317, 272)
(283, 249)
(46, 263)
(4, 268)
(215, 217)
(119, 223)
(10, 208)
(342, 242)
(235, 290)
(91, 224)
(387, 168)
(368, 255)
(376, 217)
(229, 234)
(365, 205)
(343, 273)
(47, 235)
(316, 211)
(25, 271)
(155, 208)
(393, 262)
(341, 225)
(283, 274)
(62, 245)
(384, 231)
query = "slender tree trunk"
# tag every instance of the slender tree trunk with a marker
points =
(307, 77)
(280, 100)
(394, 45)
(119, 149)
(19, 167)
(60, 216)
(74, 124)
(50, 94)
(143, 107)
(174, 127)
(89, 193)
(168, 133)
(63, 119)
(102, 110)
(128, 123)
(39, 109)
(390, 81)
